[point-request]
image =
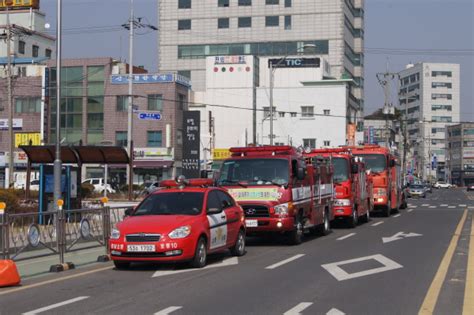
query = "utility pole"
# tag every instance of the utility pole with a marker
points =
(10, 99)
(384, 80)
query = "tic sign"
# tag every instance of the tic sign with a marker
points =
(149, 116)
(191, 144)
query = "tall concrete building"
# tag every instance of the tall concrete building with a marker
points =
(460, 154)
(429, 94)
(191, 30)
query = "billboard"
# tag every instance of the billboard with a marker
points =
(24, 139)
(191, 143)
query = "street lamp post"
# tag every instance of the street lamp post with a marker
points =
(9, 96)
(130, 104)
(272, 78)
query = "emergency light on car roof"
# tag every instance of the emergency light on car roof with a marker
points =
(181, 181)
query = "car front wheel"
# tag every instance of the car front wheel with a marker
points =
(200, 255)
(239, 247)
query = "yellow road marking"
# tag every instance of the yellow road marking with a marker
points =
(40, 284)
(468, 307)
(431, 297)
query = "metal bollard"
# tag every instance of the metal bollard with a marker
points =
(60, 231)
(105, 229)
(3, 235)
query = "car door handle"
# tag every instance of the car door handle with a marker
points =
(223, 216)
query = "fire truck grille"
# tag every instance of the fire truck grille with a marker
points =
(252, 211)
(143, 237)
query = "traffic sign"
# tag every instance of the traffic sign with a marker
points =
(149, 116)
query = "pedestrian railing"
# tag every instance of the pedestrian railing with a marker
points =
(33, 235)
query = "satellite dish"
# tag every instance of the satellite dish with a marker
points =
(47, 26)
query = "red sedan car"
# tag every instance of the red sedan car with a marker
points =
(184, 221)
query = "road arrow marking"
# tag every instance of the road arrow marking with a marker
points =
(168, 310)
(399, 236)
(298, 308)
(335, 311)
(226, 262)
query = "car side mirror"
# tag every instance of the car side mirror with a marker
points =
(213, 211)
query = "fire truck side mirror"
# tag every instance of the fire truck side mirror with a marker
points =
(355, 168)
(300, 173)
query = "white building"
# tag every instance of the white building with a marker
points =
(192, 30)
(310, 108)
(429, 93)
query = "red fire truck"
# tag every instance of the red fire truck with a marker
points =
(386, 176)
(279, 191)
(353, 188)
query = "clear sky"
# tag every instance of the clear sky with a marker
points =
(397, 32)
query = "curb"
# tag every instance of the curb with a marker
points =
(62, 267)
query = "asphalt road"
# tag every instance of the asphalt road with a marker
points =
(415, 261)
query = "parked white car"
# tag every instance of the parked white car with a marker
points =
(439, 185)
(99, 185)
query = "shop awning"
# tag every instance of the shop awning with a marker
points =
(45, 154)
(152, 164)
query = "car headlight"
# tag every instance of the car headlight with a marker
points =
(380, 192)
(342, 202)
(282, 209)
(181, 232)
(115, 235)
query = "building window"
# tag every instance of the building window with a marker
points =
(287, 22)
(309, 143)
(223, 3)
(181, 102)
(266, 112)
(435, 96)
(185, 73)
(121, 138)
(293, 114)
(184, 25)
(441, 85)
(469, 131)
(307, 111)
(154, 139)
(245, 2)
(441, 74)
(327, 112)
(327, 143)
(184, 4)
(35, 51)
(223, 23)
(281, 114)
(442, 118)
(272, 1)
(245, 21)
(442, 107)
(272, 21)
(28, 105)
(287, 3)
(122, 103)
(21, 47)
(435, 130)
(48, 53)
(155, 102)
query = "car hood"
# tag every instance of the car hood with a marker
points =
(154, 223)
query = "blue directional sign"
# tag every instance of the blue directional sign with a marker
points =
(149, 116)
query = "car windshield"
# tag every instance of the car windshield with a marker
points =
(178, 203)
(416, 187)
(341, 170)
(255, 171)
(374, 162)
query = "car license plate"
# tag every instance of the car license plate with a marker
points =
(140, 248)
(251, 223)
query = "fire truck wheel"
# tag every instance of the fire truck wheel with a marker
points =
(366, 217)
(353, 220)
(296, 236)
(325, 228)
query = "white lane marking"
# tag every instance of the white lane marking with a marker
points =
(399, 236)
(337, 272)
(432, 207)
(425, 205)
(224, 263)
(410, 206)
(451, 207)
(298, 308)
(47, 308)
(443, 205)
(377, 223)
(345, 236)
(278, 264)
(462, 205)
(471, 207)
(335, 311)
(168, 310)
(397, 215)
(409, 210)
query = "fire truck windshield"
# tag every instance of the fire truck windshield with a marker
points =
(255, 171)
(341, 170)
(374, 162)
